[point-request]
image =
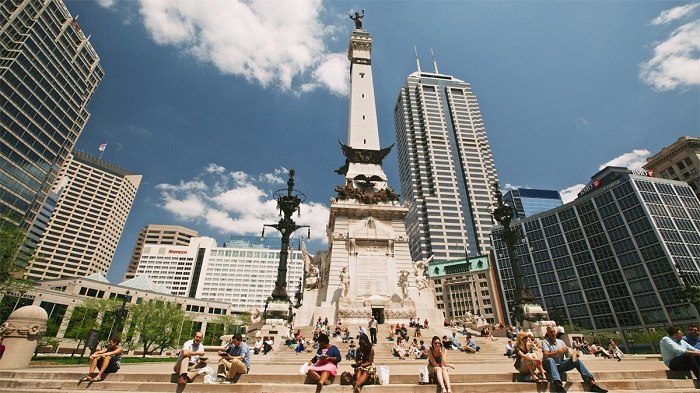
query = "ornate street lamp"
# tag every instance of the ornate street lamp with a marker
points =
(288, 201)
(503, 214)
(121, 315)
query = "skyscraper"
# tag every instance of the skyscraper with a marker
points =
(158, 234)
(446, 167)
(82, 233)
(48, 74)
(527, 202)
(616, 258)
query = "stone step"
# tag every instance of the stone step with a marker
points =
(289, 378)
(457, 387)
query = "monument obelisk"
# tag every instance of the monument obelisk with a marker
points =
(367, 270)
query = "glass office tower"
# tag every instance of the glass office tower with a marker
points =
(48, 74)
(615, 258)
(527, 202)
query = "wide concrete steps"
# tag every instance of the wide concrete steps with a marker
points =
(45, 381)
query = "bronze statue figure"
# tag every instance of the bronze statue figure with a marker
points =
(357, 18)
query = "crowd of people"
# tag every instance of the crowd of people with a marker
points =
(539, 360)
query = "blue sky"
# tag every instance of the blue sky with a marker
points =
(213, 101)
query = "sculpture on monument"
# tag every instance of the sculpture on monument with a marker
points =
(358, 19)
(419, 267)
(311, 281)
(345, 282)
(403, 283)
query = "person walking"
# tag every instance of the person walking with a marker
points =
(373, 326)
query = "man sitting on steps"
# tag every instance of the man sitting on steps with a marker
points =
(553, 350)
(191, 359)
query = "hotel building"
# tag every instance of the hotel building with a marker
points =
(158, 234)
(80, 237)
(242, 272)
(615, 258)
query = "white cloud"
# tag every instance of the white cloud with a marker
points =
(273, 43)
(675, 14)
(214, 168)
(633, 160)
(582, 122)
(676, 61)
(105, 3)
(236, 203)
(570, 193)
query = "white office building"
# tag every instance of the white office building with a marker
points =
(241, 272)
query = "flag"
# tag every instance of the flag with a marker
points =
(103, 147)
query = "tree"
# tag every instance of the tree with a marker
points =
(12, 238)
(88, 316)
(158, 324)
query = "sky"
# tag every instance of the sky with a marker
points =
(214, 101)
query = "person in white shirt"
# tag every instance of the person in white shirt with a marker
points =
(190, 359)
(678, 355)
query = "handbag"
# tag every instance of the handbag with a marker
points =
(346, 378)
(304, 369)
(423, 375)
(383, 375)
(518, 362)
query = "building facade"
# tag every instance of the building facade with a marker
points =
(527, 202)
(615, 258)
(446, 167)
(61, 297)
(679, 161)
(48, 74)
(242, 272)
(463, 287)
(158, 234)
(92, 202)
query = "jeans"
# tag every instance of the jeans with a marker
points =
(686, 362)
(554, 369)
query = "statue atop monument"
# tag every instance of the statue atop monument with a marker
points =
(357, 18)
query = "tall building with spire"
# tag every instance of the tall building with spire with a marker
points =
(48, 74)
(367, 270)
(446, 166)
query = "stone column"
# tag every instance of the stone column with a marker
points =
(22, 331)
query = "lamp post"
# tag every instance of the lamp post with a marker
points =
(288, 201)
(121, 314)
(503, 214)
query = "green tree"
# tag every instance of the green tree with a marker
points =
(11, 239)
(158, 324)
(88, 316)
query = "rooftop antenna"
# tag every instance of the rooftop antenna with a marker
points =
(434, 62)
(417, 59)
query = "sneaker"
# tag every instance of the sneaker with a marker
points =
(221, 375)
(182, 380)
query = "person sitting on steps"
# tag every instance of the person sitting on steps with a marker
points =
(106, 360)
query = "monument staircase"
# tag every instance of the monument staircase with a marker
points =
(277, 372)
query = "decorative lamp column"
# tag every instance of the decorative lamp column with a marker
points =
(288, 201)
(503, 214)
